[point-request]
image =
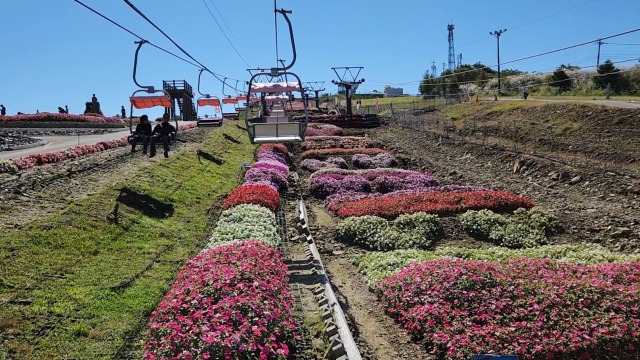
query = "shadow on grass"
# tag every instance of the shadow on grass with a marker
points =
(241, 128)
(232, 139)
(209, 157)
(144, 203)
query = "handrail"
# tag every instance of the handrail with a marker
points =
(293, 43)
(149, 89)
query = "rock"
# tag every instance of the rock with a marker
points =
(452, 172)
(574, 180)
(591, 211)
(338, 252)
(517, 167)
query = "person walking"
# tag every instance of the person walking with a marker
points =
(143, 131)
(3, 110)
(66, 109)
(123, 112)
(162, 132)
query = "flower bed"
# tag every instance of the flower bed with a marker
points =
(332, 181)
(314, 129)
(313, 165)
(256, 194)
(45, 116)
(321, 153)
(378, 265)
(272, 164)
(524, 229)
(330, 142)
(537, 309)
(29, 161)
(382, 160)
(332, 201)
(266, 176)
(411, 231)
(433, 203)
(245, 221)
(231, 302)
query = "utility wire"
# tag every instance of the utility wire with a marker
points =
(225, 35)
(132, 33)
(229, 28)
(173, 42)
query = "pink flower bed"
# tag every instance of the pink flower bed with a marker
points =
(333, 201)
(313, 165)
(330, 142)
(329, 182)
(382, 160)
(27, 162)
(230, 302)
(315, 129)
(537, 309)
(257, 194)
(439, 203)
(267, 176)
(44, 116)
(272, 164)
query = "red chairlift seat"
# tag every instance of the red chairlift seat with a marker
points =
(229, 101)
(145, 102)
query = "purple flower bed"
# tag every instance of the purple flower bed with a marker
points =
(267, 176)
(314, 165)
(230, 302)
(266, 155)
(328, 182)
(46, 116)
(272, 164)
(382, 160)
(314, 129)
(332, 201)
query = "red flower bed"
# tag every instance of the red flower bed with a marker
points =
(537, 309)
(230, 302)
(440, 203)
(336, 152)
(257, 194)
(279, 148)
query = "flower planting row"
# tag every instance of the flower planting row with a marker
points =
(358, 161)
(233, 301)
(333, 181)
(230, 302)
(30, 161)
(444, 203)
(315, 129)
(330, 142)
(45, 116)
(378, 265)
(537, 309)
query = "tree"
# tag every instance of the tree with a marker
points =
(609, 74)
(568, 67)
(560, 80)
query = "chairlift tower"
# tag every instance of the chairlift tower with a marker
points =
(316, 87)
(452, 52)
(347, 83)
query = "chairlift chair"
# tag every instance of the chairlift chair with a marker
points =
(208, 100)
(274, 126)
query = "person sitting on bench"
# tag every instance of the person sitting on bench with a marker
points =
(143, 131)
(165, 132)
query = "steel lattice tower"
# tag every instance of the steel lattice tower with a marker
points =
(452, 52)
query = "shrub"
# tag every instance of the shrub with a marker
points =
(418, 230)
(524, 229)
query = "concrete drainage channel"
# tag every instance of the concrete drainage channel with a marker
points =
(309, 270)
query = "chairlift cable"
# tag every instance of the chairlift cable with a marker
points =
(225, 34)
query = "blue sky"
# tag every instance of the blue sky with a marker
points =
(57, 53)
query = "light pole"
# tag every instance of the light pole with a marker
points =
(497, 33)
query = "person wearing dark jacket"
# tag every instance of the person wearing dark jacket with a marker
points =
(163, 131)
(143, 131)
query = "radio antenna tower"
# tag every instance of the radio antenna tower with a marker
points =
(434, 68)
(452, 53)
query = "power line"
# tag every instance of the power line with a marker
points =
(225, 35)
(132, 33)
(228, 28)
(173, 42)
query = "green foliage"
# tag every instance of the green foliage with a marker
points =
(525, 229)
(608, 74)
(560, 80)
(94, 272)
(410, 231)
(378, 265)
